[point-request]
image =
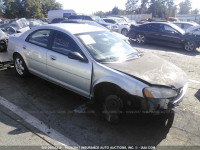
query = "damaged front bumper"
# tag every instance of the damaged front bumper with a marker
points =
(165, 104)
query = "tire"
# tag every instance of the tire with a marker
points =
(3, 45)
(20, 66)
(110, 106)
(140, 39)
(124, 32)
(167, 119)
(190, 46)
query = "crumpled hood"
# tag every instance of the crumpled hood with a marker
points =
(153, 70)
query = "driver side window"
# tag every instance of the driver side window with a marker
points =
(63, 44)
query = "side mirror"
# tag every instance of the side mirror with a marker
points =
(76, 56)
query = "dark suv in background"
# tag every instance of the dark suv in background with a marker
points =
(164, 34)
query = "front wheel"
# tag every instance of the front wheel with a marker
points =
(190, 46)
(140, 39)
(20, 66)
(112, 107)
(124, 32)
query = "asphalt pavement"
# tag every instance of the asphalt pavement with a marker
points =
(57, 117)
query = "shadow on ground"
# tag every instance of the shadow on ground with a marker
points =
(165, 48)
(54, 106)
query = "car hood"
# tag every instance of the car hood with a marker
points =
(152, 69)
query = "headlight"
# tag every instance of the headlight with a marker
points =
(159, 92)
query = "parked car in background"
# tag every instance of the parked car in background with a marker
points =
(96, 19)
(35, 22)
(126, 19)
(164, 34)
(93, 23)
(122, 25)
(185, 25)
(95, 63)
(57, 20)
(15, 25)
(195, 30)
(110, 26)
(44, 20)
(82, 17)
(52, 14)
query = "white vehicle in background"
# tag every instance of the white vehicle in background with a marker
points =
(123, 27)
(194, 30)
(52, 14)
(185, 25)
(125, 19)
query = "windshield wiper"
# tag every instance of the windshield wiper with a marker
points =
(109, 59)
(138, 54)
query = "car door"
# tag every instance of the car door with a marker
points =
(152, 32)
(70, 73)
(170, 35)
(35, 50)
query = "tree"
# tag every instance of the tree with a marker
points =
(195, 11)
(170, 8)
(158, 9)
(29, 8)
(131, 5)
(143, 6)
(115, 11)
(185, 7)
(49, 5)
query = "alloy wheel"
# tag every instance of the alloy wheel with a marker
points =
(190, 46)
(140, 39)
(19, 66)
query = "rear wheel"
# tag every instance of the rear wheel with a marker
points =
(190, 46)
(140, 39)
(20, 66)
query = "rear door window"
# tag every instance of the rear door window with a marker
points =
(168, 29)
(40, 38)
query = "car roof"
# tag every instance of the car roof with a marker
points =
(186, 22)
(73, 28)
(167, 23)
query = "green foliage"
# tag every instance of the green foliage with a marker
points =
(115, 11)
(28, 8)
(185, 7)
(195, 11)
(131, 5)
(158, 9)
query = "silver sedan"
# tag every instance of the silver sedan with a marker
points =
(96, 64)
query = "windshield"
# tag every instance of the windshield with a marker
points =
(106, 47)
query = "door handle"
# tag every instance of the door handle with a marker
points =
(24, 46)
(53, 57)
